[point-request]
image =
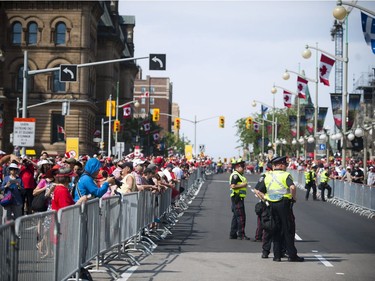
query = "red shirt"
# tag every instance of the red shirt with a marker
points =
(27, 176)
(61, 198)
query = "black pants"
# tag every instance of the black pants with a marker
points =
(284, 233)
(238, 223)
(309, 186)
(27, 199)
(323, 187)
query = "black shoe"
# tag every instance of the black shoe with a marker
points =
(264, 256)
(276, 259)
(244, 238)
(284, 255)
(296, 259)
(232, 237)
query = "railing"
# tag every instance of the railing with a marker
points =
(356, 197)
(56, 245)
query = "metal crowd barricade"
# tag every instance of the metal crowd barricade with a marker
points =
(69, 241)
(54, 246)
(31, 230)
(356, 197)
(8, 252)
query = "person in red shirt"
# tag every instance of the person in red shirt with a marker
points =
(27, 171)
(61, 196)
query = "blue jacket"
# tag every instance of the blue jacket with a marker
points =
(86, 184)
(16, 191)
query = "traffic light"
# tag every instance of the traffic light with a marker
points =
(249, 122)
(177, 123)
(221, 121)
(116, 126)
(155, 114)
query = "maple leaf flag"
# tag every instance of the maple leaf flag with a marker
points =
(325, 67)
(60, 129)
(127, 111)
(301, 86)
(145, 95)
(368, 28)
(256, 127)
(146, 127)
(287, 99)
(156, 136)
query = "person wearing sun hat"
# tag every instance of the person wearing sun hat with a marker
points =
(13, 183)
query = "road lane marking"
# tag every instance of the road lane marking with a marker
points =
(127, 274)
(324, 261)
(297, 237)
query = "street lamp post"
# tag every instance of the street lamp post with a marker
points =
(286, 76)
(274, 129)
(274, 91)
(307, 54)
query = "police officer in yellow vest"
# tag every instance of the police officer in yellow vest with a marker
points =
(324, 178)
(238, 188)
(310, 181)
(280, 193)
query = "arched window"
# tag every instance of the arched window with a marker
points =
(60, 33)
(16, 33)
(32, 33)
(57, 86)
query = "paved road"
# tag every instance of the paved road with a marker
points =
(336, 244)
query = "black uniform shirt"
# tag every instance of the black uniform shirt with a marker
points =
(235, 179)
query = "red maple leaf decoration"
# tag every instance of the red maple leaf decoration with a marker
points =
(286, 98)
(323, 70)
(300, 87)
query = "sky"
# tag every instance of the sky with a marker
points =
(222, 55)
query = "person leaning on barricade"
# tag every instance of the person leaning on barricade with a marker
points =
(86, 185)
(128, 181)
(280, 192)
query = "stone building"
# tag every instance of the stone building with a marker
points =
(55, 33)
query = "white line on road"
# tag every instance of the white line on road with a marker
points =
(127, 274)
(297, 237)
(324, 261)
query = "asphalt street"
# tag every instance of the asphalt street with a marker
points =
(336, 244)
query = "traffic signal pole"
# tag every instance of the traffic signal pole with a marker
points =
(195, 122)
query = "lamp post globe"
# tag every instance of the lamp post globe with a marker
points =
(136, 104)
(351, 136)
(323, 137)
(358, 132)
(254, 104)
(310, 139)
(284, 142)
(286, 75)
(306, 54)
(339, 12)
(273, 90)
(294, 141)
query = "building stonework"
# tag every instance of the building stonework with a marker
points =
(67, 32)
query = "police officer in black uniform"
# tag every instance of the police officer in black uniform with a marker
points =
(238, 189)
(280, 194)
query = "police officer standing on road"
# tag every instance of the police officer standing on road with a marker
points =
(281, 193)
(310, 182)
(324, 178)
(238, 187)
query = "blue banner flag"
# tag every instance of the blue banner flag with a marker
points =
(264, 110)
(368, 28)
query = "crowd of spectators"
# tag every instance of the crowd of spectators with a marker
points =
(63, 180)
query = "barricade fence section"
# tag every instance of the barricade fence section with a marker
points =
(54, 246)
(359, 198)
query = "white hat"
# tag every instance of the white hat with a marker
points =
(44, 161)
(137, 162)
(2, 152)
(13, 166)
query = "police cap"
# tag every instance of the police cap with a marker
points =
(239, 162)
(279, 160)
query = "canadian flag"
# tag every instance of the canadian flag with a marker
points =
(156, 136)
(287, 99)
(325, 67)
(146, 94)
(146, 127)
(301, 86)
(256, 127)
(127, 111)
(60, 129)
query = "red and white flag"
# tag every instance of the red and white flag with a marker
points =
(60, 129)
(287, 99)
(301, 86)
(146, 127)
(256, 127)
(146, 94)
(127, 111)
(156, 136)
(325, 67)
